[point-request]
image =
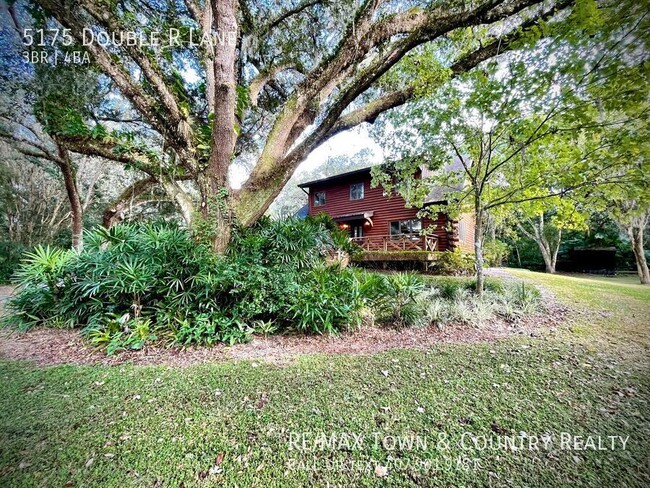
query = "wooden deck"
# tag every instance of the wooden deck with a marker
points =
(397, 243)
(397, 248)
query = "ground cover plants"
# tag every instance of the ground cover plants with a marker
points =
(412, 300)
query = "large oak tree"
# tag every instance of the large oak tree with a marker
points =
(281, 78)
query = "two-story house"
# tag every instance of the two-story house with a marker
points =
(382, 223)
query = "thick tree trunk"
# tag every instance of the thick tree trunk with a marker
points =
(478, 254)
(216, 212)
(76, 208)
(636, 236)
(213, 184)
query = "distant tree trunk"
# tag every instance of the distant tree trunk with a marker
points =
(478, 252)
(549, 248)
(636, 236)
(140, 192)
(114, 213)
(179, 196)
(518, 255)
(549, 251)
(632, 216)
(76, 209)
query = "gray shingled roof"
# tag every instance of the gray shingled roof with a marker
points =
(439, 193)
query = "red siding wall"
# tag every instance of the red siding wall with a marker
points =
(386, 210)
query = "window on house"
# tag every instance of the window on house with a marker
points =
(405, 227)
(356, 191)
(319, 199)
(462, 230)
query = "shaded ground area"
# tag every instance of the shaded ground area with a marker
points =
(51, 346)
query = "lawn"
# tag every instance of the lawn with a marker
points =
(438, 417)
(615, 314)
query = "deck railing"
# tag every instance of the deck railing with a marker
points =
(397, 243)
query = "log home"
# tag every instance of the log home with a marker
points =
(382, 224)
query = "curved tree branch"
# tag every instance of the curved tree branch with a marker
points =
(422, 26)
(133, 193)
(174, 128)
(272, 24)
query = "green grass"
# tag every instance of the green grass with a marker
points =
(616, 311)
(621, 279)
(591, 289)
(163, 426)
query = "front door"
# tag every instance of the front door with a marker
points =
(357, 231)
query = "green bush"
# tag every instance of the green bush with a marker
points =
(495, 252)
(394, 298)
(137, 283)
(326, 301)
(449, 286)
(453, 263)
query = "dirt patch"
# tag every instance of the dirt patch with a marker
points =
(55, 346)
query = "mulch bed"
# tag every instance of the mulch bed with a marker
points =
(46, 347)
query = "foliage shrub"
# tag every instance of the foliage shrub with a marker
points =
(136, 283)
(453, 263)
(451, 286)
(326, 301)
(495, 252)
(396, 300)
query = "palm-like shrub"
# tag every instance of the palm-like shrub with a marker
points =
(135, 283)
(395, 299)
(41, 287)
(326, 301)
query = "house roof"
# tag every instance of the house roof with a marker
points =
(439, 193)
(302, 212)
(436, 195)
(356, 172)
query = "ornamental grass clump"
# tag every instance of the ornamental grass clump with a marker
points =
(447, 301)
